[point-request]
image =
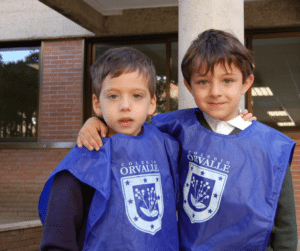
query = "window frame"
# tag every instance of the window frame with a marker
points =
(26, 44)
(251, 34)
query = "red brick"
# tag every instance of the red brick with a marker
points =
(50, 75)
(58, 70)
(67, 56)
(66, 74)
(50, 66)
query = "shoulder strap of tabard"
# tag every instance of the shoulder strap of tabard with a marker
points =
(202, 120)
(235, 131)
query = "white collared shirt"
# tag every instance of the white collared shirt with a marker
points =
(226, 127)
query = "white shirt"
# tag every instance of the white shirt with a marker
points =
(226, 127)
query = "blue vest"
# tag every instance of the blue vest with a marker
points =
(135, 180)
(230, 184)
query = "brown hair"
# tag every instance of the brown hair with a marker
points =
(117, 61)
(213, 47)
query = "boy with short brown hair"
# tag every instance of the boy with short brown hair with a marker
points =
(123, 197)
(236, 185)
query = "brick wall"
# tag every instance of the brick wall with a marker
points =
(21, 237)
(23, 173)
(62, 78)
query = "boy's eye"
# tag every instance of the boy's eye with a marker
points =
(227, 81)
(113, 96)
(137, 96)
(202, 82)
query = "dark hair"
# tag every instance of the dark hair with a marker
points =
(213, 47)
(117, 61)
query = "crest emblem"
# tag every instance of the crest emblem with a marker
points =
(202, 192)
(143, 199)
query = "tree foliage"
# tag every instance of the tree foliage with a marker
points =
(161, 94)
(18, 97)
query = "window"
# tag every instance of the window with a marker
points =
(19, 82)
(163, 52)
(275, 94)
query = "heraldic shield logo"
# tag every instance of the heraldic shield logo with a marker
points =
(144, 201)
(202, 192)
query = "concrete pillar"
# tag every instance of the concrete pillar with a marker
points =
(196, 16)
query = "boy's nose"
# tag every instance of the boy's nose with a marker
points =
(125, 104)
(215, 90)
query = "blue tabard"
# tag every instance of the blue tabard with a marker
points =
(229, 184)
(135, 180)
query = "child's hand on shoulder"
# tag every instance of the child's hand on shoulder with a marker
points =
(247, 116)
(89, 134)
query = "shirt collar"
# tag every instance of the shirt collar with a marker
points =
(239, 123)
(226, 127)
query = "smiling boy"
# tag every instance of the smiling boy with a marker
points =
(235, 179)
(122, 197)
(218, 92)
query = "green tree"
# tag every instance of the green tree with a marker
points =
(161, 94)
(18, 96)
(32, 58)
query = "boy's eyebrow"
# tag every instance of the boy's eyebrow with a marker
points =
(117, 90)
(110, 89)
(198, 75)
(229, 74)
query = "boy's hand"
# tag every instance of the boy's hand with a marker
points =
(247, 116)
(89, 134)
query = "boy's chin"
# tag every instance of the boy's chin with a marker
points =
(128, 131)
(219, 115)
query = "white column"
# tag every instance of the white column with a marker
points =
(196, 16)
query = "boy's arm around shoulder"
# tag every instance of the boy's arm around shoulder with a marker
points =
(174, 122)
(171, 122)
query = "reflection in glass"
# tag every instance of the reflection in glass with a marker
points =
(276, 89)
(157, 53)
(19, 78)
(174, 77)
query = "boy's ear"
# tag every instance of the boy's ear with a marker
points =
(152, 106)
(247, 84)
(96, 106)
(187, 85)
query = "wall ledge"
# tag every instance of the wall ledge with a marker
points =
(20, 225)
(35, 145)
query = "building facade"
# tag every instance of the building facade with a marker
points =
(65, 37)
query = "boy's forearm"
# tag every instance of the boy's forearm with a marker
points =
(284, 234)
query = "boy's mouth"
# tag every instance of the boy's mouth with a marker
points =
(216, 105)
(125, 122)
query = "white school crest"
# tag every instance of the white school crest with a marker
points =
(202, 192)
(143, 199)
